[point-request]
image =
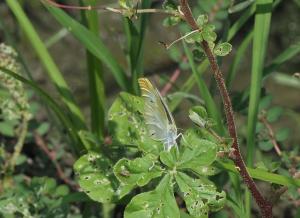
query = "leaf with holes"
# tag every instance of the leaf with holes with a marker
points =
(138, 171)
(97, 180)
(222, 49)
(202, 19)
(197, 152)
(200, 195)
(127, 125)
(159, 203)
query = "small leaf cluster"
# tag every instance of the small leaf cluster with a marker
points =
(207, 33)
(40, 197)
(128, 7)
(14, 104)
(171, 7)
(178, 173)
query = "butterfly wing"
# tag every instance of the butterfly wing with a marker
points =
(155, 113)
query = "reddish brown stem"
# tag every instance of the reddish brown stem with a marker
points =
(264, 205)
(43, 146)
(169, 85)
(271, 135)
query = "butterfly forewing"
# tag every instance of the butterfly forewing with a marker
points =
(158, 118)
(155, 114)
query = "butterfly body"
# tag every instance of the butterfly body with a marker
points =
(159, 120)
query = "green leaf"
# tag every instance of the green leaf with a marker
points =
(200, 196)
(96, 178)
(199, 116)
(62, 190)
(194, 37)
(169, 5)
(205, 170)
(265, 145)
(7, 128)
(282, 134)
(127, 125)
(169, 158)
(265, 102)
(159, 203)
(197, 152)
(222, 49)
(202, 19)
(43, 128)
(171, 21)
(274, 113)
(138, 171)
(208, 34)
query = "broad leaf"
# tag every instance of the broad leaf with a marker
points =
(138, 171)
(159, 203)
(200, 196)
(169, 158)
(97, 180)
(198, 152)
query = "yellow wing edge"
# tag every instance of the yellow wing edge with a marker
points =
(145, 84)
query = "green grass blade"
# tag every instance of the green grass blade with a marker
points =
(56, 37)
(263, 175)
(212, 108)
(240, 54)
(92, 43)
(286, 55)
(260, 42)
(240, 22)
(95, 72)
(243, 19)
(78, 147)
(48, 63)
(135, 35)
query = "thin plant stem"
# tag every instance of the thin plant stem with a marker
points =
(111, 9)
(271, 135)
(19, 146)
(264, 205)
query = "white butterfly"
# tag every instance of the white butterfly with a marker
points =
(159, 119)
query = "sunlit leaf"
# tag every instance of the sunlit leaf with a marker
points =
(96, 178)
(159, 203)
(200, 196)
(197, 152)
(138, 171)
(202, 19)
(222, 49)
